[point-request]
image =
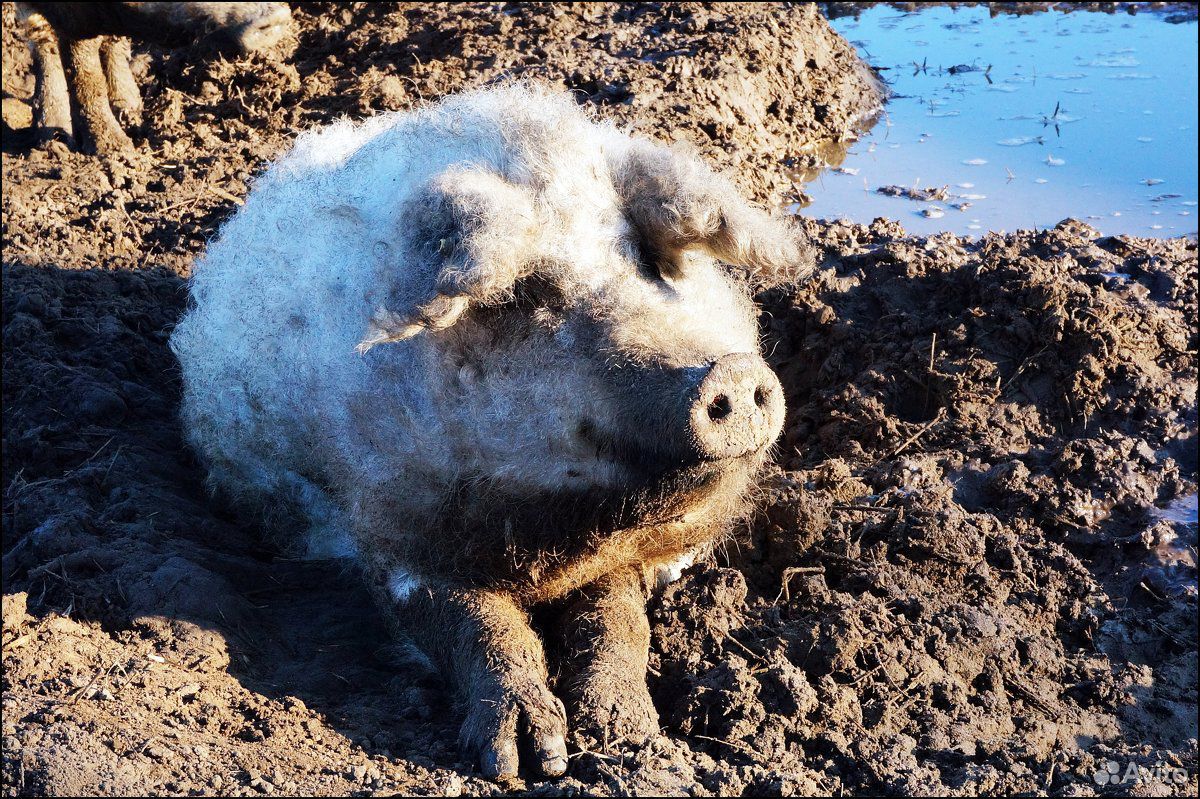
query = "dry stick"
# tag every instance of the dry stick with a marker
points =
(908, 702)
(137, 234)
(92, 682)
(745, 648)
(789, 573)
(180, 204)
(1028, 695)
(866, 508)
(865, 675)
(742, 747)
(929, 371)
(941, 414)
(1021, 368)
(217, 190)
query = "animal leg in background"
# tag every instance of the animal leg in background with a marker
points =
(100, 129)
(53, 112)
(123, 92)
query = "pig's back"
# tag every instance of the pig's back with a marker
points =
(284, 294)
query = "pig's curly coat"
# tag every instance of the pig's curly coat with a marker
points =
(464, 335)
(365, 234)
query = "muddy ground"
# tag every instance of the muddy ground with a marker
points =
(957, 581)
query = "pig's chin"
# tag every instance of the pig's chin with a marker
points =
(508, 532)
(673, 482)
(657, 483)
(658, 496)
(657, 490)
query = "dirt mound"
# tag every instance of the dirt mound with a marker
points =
(957, 581)
(753, 86)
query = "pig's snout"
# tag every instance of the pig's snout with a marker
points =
(738, 408)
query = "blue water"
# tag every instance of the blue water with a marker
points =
(1081, 114)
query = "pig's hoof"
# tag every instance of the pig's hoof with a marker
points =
(129, 116)
(110, 141)
(516, 714)
(610, 710)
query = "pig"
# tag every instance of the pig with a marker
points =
(86, 45)
(506, 356)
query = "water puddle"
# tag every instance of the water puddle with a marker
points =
(1183, 511)
(1171, 568)
(1017, 122)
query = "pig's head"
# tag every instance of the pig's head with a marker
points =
(584, 321)
(242, 27)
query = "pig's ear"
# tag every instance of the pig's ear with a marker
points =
(677, 203)
(469, 237)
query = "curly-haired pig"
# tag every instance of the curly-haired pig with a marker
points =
(81, 54)
(511, 352)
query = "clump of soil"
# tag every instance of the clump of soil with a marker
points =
(956, 582)
(927, 194)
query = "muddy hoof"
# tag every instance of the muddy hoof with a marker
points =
(610, 711)
(109, 142)
(516, 719)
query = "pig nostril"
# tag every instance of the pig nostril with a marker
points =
(760, 397)
(719, 408)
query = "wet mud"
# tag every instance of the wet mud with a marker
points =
(971, 570)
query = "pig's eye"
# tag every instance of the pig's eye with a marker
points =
(654, 262)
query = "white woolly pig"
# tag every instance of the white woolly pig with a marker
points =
(491, 340)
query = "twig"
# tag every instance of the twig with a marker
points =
(789, 573)
(941, 414)
(1021, 368)
(600, 755)
(731, 744)
(745, 648)
(91, 682)
(866, 508)
(217, 190)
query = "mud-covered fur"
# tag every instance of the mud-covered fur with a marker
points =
(466, 335)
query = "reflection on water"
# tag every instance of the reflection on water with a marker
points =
(1171, 570)
(1024, 121)
(1182, 511)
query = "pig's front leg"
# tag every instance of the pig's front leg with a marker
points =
(607, 648)
(483, 642)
